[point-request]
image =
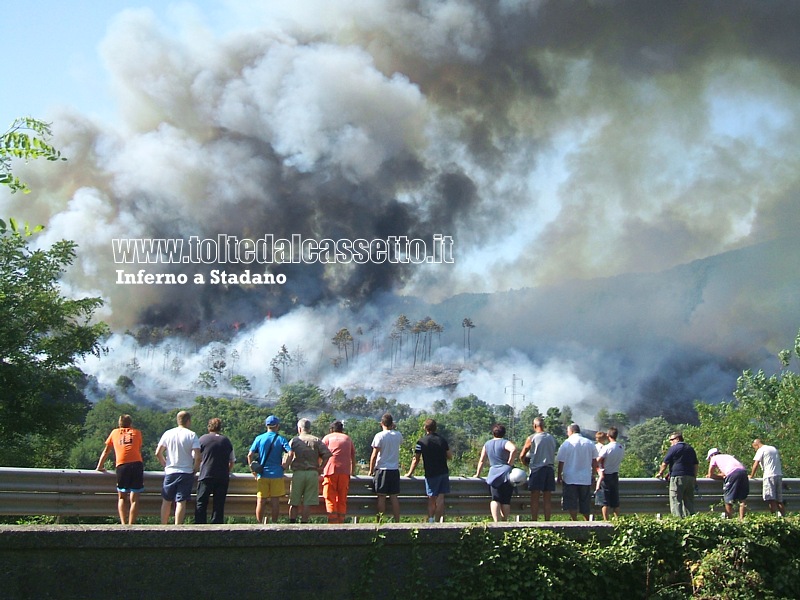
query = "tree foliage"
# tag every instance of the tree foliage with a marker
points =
(42, 334)
(766, 407)
(26, 139)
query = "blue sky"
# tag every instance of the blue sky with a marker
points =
(52, 58)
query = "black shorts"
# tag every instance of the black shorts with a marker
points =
(610, 487)
(130, 477)
(503, 493)
(542, 479)
(576, 497)
(387, 481)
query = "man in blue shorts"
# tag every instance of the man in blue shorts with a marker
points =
(577, 462)
(539, 453)
(178, 452)
(435, 453)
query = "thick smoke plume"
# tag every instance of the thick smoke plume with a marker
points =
(555, 142)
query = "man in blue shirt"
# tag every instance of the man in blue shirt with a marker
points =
(268, 448)
(682, 462)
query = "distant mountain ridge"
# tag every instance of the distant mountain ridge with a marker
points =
(659, 340)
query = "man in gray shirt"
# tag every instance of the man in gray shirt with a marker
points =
(539, 453)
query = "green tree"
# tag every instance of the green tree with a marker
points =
(766, 407)
(42, 335)
(320, 425)
(26, 139)
(343, 340)
(241, 384)
(241, 422)
(473, 415)
(647, 442)
(296, 399)
(362, 431)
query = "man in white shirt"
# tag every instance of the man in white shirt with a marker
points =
(609, 461)
(772, 485)
(577, 460)
(384, 466)
(178, 452)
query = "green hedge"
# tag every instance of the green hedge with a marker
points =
(699, 557)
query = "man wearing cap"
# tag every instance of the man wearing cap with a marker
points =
(268, 449)
(735, 484)
(681, 459)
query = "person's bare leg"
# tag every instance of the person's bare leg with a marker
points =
(439, 511)
(122, 507)
(548, 505)
(495, 509)
(275, 507)
(534, 506)
(432, 507)
(742, 509)
(259, 509)
(133, 512)
(293, 510)
(180, 512)
(381, 505)
(166, 510)
(395, 500)
(306, 512)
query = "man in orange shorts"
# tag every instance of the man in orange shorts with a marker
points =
(336, 476)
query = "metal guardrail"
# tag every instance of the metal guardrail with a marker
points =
(83, 493)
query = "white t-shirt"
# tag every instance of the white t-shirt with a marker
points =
(770, 461)
(577, 453)
(179, 443)
(388, 444)
(612, 455)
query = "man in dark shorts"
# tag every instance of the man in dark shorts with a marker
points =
(435, 453)
(577, 461)
(539, 453)
(126, 443)
(384, 466)
(735, 482)
(609, 461)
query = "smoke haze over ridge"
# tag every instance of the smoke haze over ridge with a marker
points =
(554, 141)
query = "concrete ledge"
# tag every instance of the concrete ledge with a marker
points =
(233, 561)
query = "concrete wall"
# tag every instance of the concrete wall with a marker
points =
(231, 561)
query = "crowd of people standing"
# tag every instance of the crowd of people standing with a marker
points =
(586, 470)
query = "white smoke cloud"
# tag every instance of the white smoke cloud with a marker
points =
(554, 141)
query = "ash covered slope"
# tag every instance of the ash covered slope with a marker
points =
(655, 342)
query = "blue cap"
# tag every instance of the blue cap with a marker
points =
(272, 420)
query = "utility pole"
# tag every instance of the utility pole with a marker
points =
(514, 394)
